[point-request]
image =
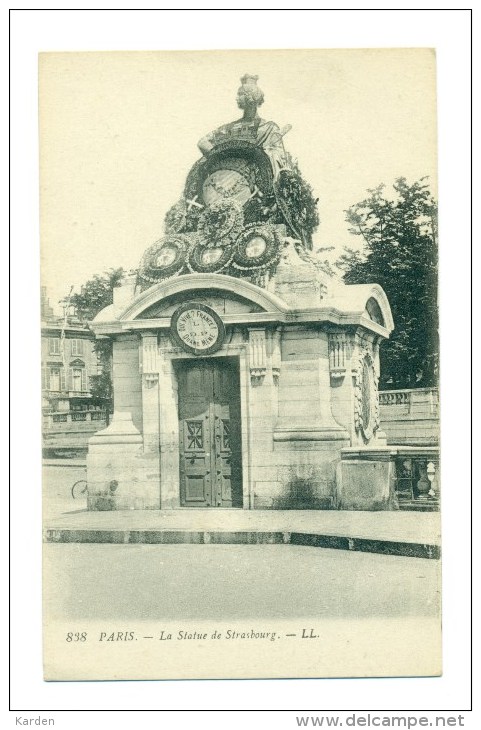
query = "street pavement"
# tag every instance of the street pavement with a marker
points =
(57, 484)
(191, 581)
(228, 582)
(375, 614)
(66, 519)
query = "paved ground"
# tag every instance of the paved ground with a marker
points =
(61, 511)
(372, 614)
(228, 582)
(57, 483)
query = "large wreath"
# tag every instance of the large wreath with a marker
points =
(221, 221)
(193, 184)
(267, 256)
(193, 195)
(262, 210)
(175, 218)
(366, 398)
(295, 198)
(208, 258)
(249, 154)
(165, 258)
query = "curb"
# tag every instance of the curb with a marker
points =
(197, 537)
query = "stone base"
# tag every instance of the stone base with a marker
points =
(119, 474)
(365, 481)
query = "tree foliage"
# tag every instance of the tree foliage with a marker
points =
(95, 295)
(399, 252)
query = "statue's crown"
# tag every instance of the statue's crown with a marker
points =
(238, 131)
(249, 79)
(241, 130)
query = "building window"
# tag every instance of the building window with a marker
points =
(54, 345)
(77, 379)
(53, 378)
(77, 347)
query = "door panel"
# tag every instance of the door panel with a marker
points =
(196, 462)
(210, 447)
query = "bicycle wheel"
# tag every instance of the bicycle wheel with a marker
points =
(80, 489)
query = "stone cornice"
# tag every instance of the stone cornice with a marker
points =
(326, 315)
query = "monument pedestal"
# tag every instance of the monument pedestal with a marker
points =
(120, 475)
(366, 479)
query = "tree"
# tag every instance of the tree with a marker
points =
(400, 253)
(95, 295)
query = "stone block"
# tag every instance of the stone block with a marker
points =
(295, 493)
(127, 384)
(122, 368)
(304, 394)
(127, 342)
(270, 489)
(300, 333)
(265, 472)
(365, 485)
(301, 349)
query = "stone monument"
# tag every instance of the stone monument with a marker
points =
(245, 375)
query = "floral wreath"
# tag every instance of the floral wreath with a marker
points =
(362, 391)
(151, 271)
(193, 182)
(269, 256)
(196, 252)
(175, 218)
(295, 199)
(222, 220)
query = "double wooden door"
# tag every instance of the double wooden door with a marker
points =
(210, 433)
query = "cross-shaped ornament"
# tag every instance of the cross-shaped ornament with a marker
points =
(256, 192)
(191, 203)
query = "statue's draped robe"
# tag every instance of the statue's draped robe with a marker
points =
(264, 134)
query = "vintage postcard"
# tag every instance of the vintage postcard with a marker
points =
(240, 364)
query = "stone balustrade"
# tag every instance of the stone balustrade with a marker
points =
(417, 484)
(70, 420)
(410, 416)
(411, 480)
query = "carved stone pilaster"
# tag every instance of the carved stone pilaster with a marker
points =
(257, 354)
(276, 356)
(339, 354)
(149, 359)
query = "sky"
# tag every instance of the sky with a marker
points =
(119, 132)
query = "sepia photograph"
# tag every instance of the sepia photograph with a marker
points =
(240, 364)
(240, 408)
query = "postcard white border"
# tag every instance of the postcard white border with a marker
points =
(49, 30)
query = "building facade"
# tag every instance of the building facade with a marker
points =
(70, 413)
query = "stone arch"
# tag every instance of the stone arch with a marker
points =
(377, 306)
(194, 282)
(374, 311)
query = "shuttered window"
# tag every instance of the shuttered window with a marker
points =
(54, 345)
(77, 347)
(45, 378)
(54, 379)
(78, 379)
